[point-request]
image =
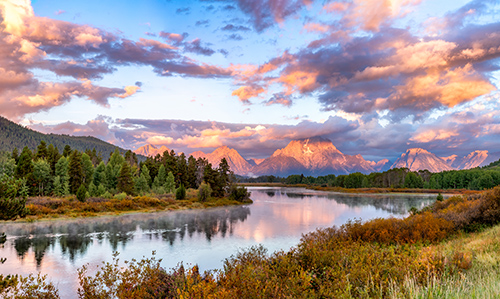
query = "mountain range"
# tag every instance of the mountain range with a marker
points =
(318, 156)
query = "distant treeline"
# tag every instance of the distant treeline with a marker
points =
(13, 136)
(45, 171)
(473, 179)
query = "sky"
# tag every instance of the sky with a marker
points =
(376, 77)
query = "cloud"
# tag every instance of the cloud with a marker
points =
(202, 23)
(80, 55)
(231, 27)
(391, 70)
(183, 10)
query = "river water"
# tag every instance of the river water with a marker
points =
(277, 219)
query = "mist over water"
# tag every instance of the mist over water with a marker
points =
(277, 219)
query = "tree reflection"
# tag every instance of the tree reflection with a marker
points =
(75, 237)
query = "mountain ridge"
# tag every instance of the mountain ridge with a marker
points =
(13, 135)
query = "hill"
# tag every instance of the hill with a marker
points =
(13, 135)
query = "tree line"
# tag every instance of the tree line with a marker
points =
(472, 179)
(46, 172)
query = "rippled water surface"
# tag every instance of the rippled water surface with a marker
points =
(277, 219)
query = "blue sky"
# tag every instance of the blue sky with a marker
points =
(375, 77)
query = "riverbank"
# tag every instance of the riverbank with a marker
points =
(366, 190)
(44, 208)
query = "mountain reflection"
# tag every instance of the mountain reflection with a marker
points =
(75, 237)
(394, 204)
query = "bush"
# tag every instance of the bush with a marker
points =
(107, 195)
(180, 193)
(204, 191)
(81, 193)
(120, 196)
(238, 193)
(12, 199)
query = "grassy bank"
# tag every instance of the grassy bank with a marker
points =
(52, 207)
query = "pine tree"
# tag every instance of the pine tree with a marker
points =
(169, 183)
(100, 174)
(53, 157)
(145, 172)
(41, 175)
(88, 170)
(180, 193)
(15, 154)
(191, 173)
(75, 171)
(141, 184)
(162, 176)
(81, 193)
(25, 164)
(41, 151)
(125, 182)
(67, 150)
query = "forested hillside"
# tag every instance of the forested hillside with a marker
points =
(13, 136)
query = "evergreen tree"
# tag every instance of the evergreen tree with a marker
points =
(25, 164)
(41, 175)
(67, 150)
(92, 189)
(204, 191)
(15, 154)
(113, 169)
(191, 173)
(180, 193)
(182, 169)
(75, 171)
(88, 170)
(61, 169)
(169, 183)
(145, 172)
(161, 178)
(12, 199)
(41, 151)
(413, 180)
(7, 165)
(81, 193)
(141, 184)
(125, 182)
(53, 157)
(60, 187)
(100, 174)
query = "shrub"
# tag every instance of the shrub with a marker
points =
(238, 193)
(81, 193)
(120, 196)
(12, 200)
(204, 191)
(180, 193)
(107, 195)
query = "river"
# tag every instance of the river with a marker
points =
(277, 219)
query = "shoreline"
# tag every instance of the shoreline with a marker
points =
(367, 190)
(100, 207)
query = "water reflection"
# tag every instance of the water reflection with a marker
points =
(277, 219)
(397, 204)
(75, 237)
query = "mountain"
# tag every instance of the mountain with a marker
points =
(13, 136)
(474, 159)
(419, 159)
(313, 156)
(236, 162)
(255, 162)
(150, 150)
